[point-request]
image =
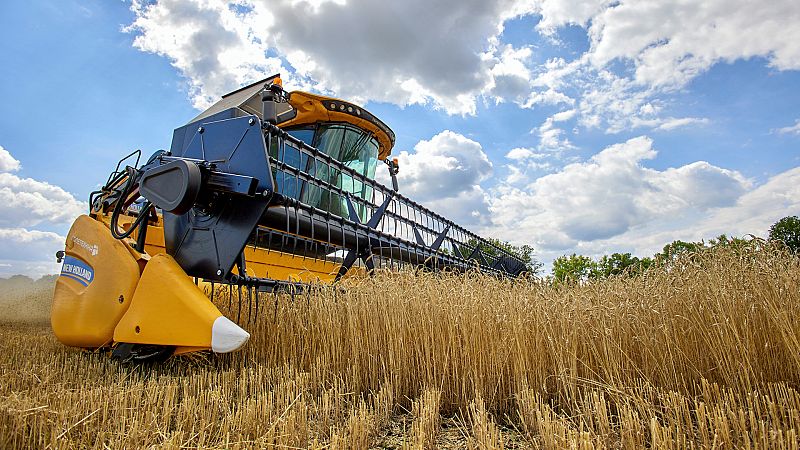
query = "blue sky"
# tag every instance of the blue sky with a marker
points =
(586, 127)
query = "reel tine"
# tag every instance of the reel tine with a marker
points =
(239, 310)
(250, 302)
(275, 314)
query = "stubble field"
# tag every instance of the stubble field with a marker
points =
(704, 353)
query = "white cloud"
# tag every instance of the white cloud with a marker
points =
(438, 53)
(529, 162)
(756, 210)
(7, 162)
(641, 52)
(26, 202)
(444, 174)
(608, 196)
(671, 123)
(511, 75)
(547, 97)
(551, 137)
(671, 42)
(450, 54)
(612, 202)
(753, 213)
(791, 129)
(616, 103)
(521, 154)
(524, 161)
(556, 13)
(214, 44)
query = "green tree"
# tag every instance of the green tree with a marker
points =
(618, 264)
(575, 268)
(677, 248)
(787, 230)
(645, 263)
(724, 241)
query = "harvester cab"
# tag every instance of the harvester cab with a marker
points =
(265, 190)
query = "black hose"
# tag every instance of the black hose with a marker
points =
(143, 213)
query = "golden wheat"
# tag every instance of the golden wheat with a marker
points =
(704, 353)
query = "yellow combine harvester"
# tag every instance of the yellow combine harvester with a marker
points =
(267, 190)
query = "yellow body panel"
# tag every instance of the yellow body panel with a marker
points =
(288, 267)
(167, 309)
(95, 288)
(260, 262)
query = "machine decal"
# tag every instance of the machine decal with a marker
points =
(77, 270)
(93, 249)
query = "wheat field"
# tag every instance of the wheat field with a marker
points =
(704, 353)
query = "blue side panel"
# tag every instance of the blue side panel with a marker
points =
(208, 244)
(182, 136)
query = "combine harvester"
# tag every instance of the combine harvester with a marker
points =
(267, 190)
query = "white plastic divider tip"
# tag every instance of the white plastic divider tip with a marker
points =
(226, 336)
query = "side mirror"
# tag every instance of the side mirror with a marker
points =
(270, 96)
(394, 167)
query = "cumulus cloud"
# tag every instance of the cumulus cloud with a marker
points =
(450, 54)
(7, 162)
(756, 210)
(444, 173)
(609, 195)
(437, 53)
(25, 203)
(550, 136)
(640, 52)
(670, 42)
(525, 163)
(512, 76)
(752, 213)
(557, 13)
(216, 45)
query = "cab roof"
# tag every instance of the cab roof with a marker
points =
(305, 109)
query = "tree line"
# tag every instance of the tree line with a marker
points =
(580, 268)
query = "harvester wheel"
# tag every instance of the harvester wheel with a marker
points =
(141, 353)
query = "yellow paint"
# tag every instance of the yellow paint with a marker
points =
(285, 266)
(167, 309)
(260, 262)
(85, 316)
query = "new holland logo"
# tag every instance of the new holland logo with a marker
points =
(93, 249)
(77, 270)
